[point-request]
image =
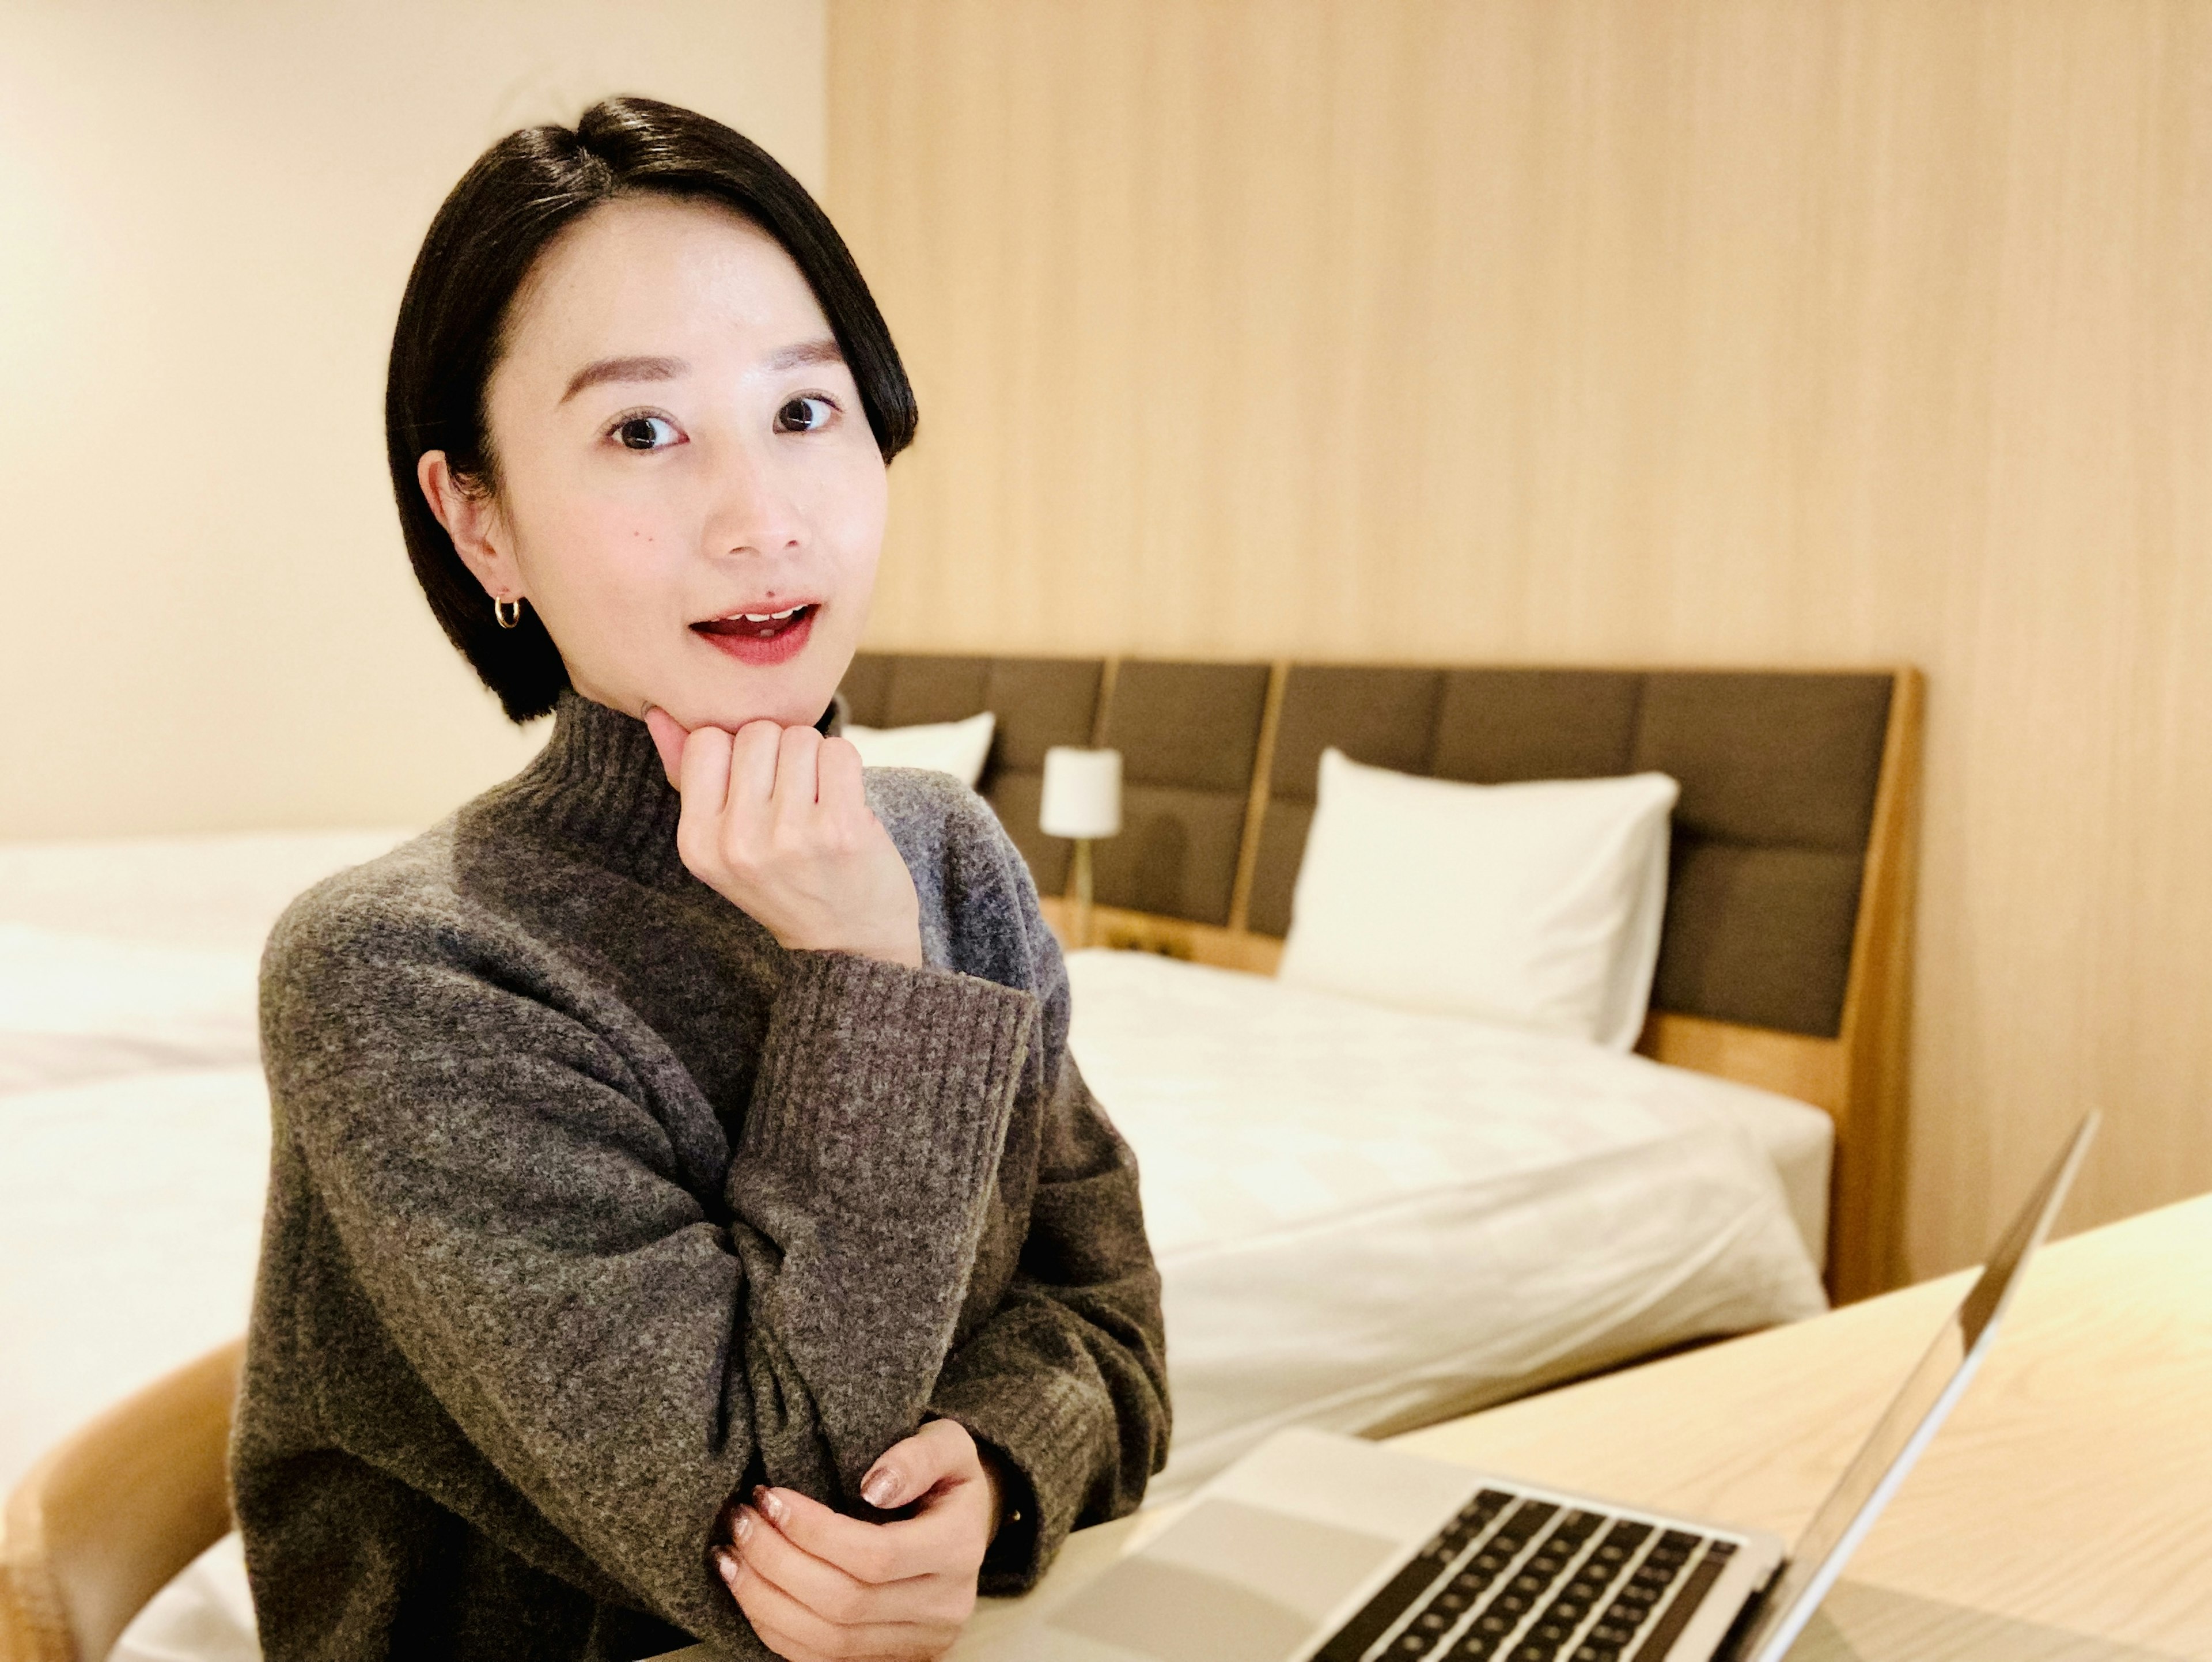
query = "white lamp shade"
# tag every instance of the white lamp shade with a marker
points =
(1081, 792)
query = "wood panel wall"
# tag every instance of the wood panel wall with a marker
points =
(1808, 332)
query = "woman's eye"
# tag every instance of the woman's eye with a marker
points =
(805, 414)
(646, 433)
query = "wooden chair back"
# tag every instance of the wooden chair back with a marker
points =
(112, 1515)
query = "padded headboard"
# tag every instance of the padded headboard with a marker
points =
(1190, 739)
(1039, 702)
(1778, 772)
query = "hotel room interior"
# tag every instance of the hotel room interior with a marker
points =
(1808, 401)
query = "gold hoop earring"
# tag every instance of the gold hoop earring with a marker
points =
(509, 612)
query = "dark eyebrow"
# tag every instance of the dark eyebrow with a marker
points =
(608, 369)
(825, 351)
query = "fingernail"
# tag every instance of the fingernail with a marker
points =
(772, 1504)
(726, 1562)
(743, 1527)
(879, 1486)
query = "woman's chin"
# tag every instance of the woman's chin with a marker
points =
(797, 702)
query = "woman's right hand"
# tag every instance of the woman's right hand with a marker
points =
(820, 1588)
(776, 821)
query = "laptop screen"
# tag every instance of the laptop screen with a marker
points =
(1905, 1426)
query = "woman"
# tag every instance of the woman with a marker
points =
(685, 1218)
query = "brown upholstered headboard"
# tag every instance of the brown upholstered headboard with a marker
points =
(1778, 774)
(1039, 702)
(1785, 959)
(1189, 737)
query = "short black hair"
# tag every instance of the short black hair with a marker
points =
(521, 193)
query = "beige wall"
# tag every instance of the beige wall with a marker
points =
(207, 212)
(1814, 332)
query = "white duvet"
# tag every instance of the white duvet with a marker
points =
(1367, 1219)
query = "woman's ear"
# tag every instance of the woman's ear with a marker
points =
(472, 519)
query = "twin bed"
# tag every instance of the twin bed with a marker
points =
(1366, 1217)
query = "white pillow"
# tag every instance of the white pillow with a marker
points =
(1537, 905)
(955, 747)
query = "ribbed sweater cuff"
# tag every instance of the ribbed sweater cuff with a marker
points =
(1048, 1429)
(888, 1083)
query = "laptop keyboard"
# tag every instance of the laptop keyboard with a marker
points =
(1511, 1579)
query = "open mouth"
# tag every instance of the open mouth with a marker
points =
(756, 625)
(760, 638)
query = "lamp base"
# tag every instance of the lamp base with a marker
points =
(1082, 931)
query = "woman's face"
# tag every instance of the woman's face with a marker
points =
(689, 492)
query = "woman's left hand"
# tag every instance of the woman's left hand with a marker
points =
(818, 1586)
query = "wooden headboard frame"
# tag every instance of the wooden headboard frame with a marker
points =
(1858, 1077)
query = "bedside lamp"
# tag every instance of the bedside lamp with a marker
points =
(1081, 799)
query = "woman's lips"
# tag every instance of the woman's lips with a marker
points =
(760, 639)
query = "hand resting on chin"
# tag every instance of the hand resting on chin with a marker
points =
(818, 1586)
(774, 820)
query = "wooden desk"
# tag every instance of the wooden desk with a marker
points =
(2064, 1514)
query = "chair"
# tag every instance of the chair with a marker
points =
(108, 1518)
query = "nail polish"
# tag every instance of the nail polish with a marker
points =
(743, 1527)
(772, 1504)
(877, 1488)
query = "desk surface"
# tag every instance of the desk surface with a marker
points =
(2064, 1514)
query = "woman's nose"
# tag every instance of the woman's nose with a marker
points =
(753, 510)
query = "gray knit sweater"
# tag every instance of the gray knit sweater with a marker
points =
(590, 1205)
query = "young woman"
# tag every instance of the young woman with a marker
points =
(686, 1220)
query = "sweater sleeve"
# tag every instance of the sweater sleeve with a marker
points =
(529, 1231)
(1067, 1379)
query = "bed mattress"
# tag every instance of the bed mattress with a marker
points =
(1368, 1220)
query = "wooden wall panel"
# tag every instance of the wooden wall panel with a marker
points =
(1811, 331)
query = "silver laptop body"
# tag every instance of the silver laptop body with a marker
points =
(1318, 1547)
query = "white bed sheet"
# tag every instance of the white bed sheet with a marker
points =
(1366, 1218)
(76, 1007)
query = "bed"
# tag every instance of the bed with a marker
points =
(1786, 959)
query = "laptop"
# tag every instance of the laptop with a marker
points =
(1319, 1547)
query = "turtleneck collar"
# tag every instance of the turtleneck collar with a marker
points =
(599, 785)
